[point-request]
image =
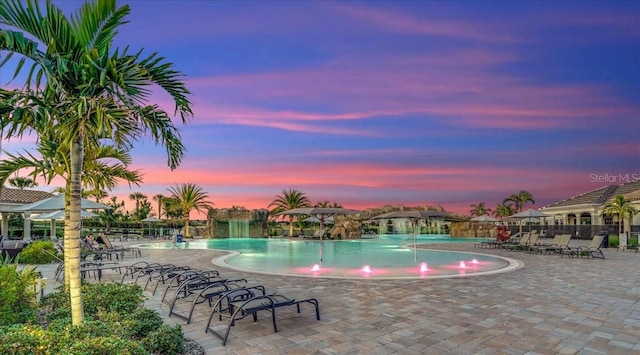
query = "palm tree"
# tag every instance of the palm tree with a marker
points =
(79, 89)
(327, 204)
(520, 199)
(288, 200)
(503, 210)
(159, 198)
(110, 216)
(103, 166)
(138, 197)
(189, 197)
(479, 209)
(99, 195)
(621, 207)
(22, 182)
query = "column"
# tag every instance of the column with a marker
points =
(26, 234)
(5, 225)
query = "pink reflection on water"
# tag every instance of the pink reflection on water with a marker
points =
(315, 271)
(424, 267)
(367, 271)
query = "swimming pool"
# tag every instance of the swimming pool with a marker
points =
(388, 256)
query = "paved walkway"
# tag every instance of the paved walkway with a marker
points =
(552, 305)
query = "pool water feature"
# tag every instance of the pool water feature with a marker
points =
(386, 257)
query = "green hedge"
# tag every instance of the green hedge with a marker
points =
(40, 252)
(17, 294)
(115, 323)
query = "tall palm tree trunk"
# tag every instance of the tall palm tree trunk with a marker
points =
(72, 230)
(186, 226)
(290, 226)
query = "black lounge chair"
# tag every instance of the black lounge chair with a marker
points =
(243, 302)
(206, 294)
(178, 277)
(164, 273)
(191, 282)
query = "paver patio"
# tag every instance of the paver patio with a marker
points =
(552, 305)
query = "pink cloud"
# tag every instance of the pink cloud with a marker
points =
(388, 87)
(406, 23)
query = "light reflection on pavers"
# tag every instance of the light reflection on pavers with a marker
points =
(552, 305)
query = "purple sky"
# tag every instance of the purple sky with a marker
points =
(392, 102)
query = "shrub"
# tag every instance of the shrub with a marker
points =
(113, 297)
(104, 345)
(17, 294)
(40, 252)
(142, 322)
(25, 340)
(165, 340)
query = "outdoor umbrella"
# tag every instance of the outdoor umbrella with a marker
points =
(321, 213)
(56, 203)
(59, 214)
(530, 213)
(484, 218)
(415, 217)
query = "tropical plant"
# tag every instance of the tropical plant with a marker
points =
(621, 207)
(172, 208)
(17, 294)
(288, 200)
(104, 165)
(189, 197)
(519, 200)
(97, 194)
(81, 90)
(158, 198)
(138, 197)
(143, 211)
(479, 209)
(109, 216)
(22, 182)
(327, 204)
(503, 210)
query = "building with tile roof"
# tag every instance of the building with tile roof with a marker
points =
(584, 211)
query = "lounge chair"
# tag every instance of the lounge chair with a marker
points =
(515, 244)
(244, 302)
(559, 243)
(532, 243)
(206, 294)
(592, 250)
(104, 240)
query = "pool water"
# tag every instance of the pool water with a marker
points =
(388, 256)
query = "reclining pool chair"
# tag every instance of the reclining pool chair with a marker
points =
(592, 250)
(104, 240)
(244, 302)
(559, 243)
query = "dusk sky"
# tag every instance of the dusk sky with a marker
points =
(394, 102)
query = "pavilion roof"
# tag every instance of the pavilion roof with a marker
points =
(22, 196)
